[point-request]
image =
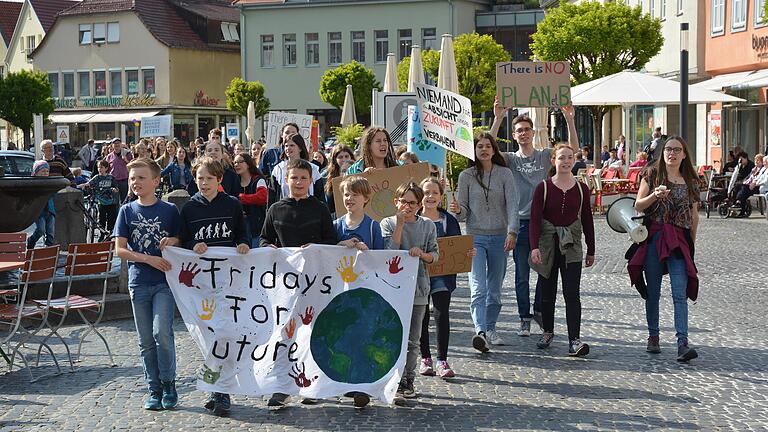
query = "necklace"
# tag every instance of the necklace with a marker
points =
(487, 189)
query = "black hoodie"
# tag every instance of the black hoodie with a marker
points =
(294, 223)
(216, 223)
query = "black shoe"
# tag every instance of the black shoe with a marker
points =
(211, 401)
(223, 405)
(685, 353)
(577, 349)
(361, 400)
(309, 401)
(480, 343)
(408, 391)
(400, 394)
(278, 400)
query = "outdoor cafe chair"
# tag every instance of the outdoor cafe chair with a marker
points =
(23, 318)
(13, 249)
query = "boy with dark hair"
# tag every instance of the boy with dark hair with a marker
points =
(213, 218)
(104, 187)
(144, 227)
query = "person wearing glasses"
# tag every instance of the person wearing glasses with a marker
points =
(529, 167)
(669, 198)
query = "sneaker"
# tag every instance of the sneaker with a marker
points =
(495, 338)
(525, 327)
(153, 402)
(577, 349)
(309, 401)
(278, 400)
(408, 391)
(361, 400)
(479, 342)
(653, 345)
(539, 321)
(426, 367)
(545, 340)
(684, 352)
(170, 397)
(400, 393)
(222, 405)
(444, 369)
(210, 401)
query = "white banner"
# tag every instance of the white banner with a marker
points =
(446, 119)
(276, 120)
(156, 126)
(285, 321)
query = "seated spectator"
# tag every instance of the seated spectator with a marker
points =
(585, 152)
(612, 158)
(642, 160)
(730, 164)
(744, 167)
(579, 163)
(749, 187)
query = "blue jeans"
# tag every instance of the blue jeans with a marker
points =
(522, 274)
(488, 269)
(45, 226)
(153, 309)
(678, 279)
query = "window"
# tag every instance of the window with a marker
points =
(99, 83)
(738, 15)
(53, 77)
(718, 17)
(652, 8)
(289, 49)
(759, 13)
(358, 46)
(663, 9)
(404, 42)
(69, 84)
(429, 39)
(85, 34)
(267, 50)
(132, 81)
(31, 44)
(99, 33)
(680, 7)
(382, 45)
(334, 48)
(84, 81)
(113, 32)
(313, 49)
(148, 78)
(229, 32)
(115, 83)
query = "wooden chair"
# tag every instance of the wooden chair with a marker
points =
(13, 249)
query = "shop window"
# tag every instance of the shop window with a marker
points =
(289, 49)
(312, 41)
(132, 81)
(404, 42)
(99, 83)
(99, 33)
(53, 77)
(69, 84)
(334, 48)
(358, 46)
(116, 82)
(267, 50)
(113, 32)
(148, 79)
(718, 17)
(759, 13)
(428, 39)
(382, 45)
(86, 36)
(738, 15)
(84, 81)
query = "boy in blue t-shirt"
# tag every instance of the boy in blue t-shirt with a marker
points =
(143, 228)
(356, 229)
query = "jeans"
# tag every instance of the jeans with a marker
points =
(488, 269)
(522, 274)
(153, 309)
(679, 280)
(44, 226)
(414, 334)
(571, 275)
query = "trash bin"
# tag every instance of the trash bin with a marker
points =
(70, 222)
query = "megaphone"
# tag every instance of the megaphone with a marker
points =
(621, 218)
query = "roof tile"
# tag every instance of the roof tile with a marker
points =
(9, 15)
(46, 10)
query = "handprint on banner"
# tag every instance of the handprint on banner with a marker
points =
(188, 273)
(208, 375)
(290, 328)
(208, 307)
(394, 265)
(306, 319)
(346, 269)
(297, 373)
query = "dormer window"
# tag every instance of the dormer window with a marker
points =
(229, 32)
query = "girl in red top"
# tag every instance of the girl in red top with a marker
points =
(252, 193)
(559, 213)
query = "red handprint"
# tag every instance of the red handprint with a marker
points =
(308, 314)
(290, 328)
(394, 265)
(188, 273)
(297, 373)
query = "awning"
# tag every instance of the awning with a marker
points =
(120, 117)
(70, 118)
(736, 80)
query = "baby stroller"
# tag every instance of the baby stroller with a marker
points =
(722, 196)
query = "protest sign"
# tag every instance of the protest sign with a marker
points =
(384, 183)
(533, 84)
(276, 120)
(155, 126)
(453, 256)
(446, 119)
(233, 130)
(285, 321)
(417, 144)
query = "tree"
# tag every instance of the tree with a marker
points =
(240, 92)
(333, 86)
(476, 57)
(598, 40)
(23, 94)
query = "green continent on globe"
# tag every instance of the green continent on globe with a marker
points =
(463, 133)
(357, 338)
(382, 202)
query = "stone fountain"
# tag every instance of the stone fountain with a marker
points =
(23, 198)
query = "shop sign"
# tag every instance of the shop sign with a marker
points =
(760, 44)
(105, 101)
(201, 99)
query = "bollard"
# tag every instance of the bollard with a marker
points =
(179, 197)
(70, 226)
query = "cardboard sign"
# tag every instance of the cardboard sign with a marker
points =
(533, 84)
(453, 256)
(384, 183)
(446, 119)
(276, 120)
(155, 126)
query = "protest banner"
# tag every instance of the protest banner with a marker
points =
(276, 120)
(533, 84)
(384, 183)
(155, 126)
(446, 119)
(422, 148)
(284, 320)
(453, 256)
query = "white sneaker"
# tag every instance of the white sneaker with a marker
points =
(495, 338)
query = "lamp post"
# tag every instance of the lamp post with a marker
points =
(684, 80)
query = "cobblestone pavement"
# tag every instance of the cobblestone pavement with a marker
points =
(618, 387)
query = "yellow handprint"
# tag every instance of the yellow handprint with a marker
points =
(208, 307)
(346, 270)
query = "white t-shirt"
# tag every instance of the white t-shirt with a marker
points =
(279, 173)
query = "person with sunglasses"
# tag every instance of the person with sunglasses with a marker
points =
(529, 167)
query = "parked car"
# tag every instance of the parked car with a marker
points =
(17, 163)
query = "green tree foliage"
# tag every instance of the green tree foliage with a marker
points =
(476, 57)
(240, 92)
(348, 135)
(333, 86)
(598, 40)
(23, 94)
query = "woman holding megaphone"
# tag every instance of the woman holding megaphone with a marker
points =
(669, 197)
(560, 213)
